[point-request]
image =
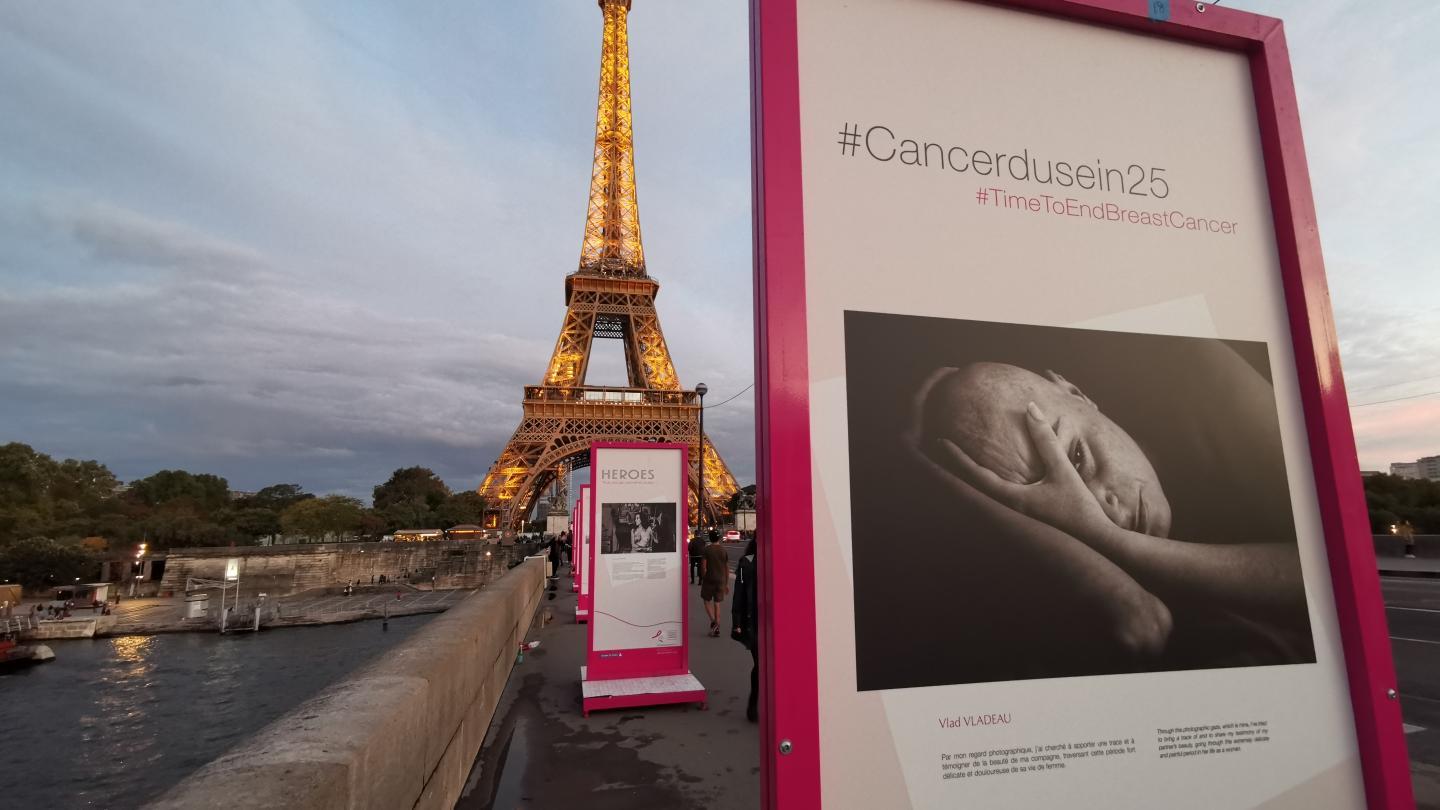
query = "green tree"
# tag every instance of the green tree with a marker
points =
(42, 497)
(462, 507)
(411, 498)
(254, 522)
(373, 525)
(25, 476)
(1392, 499)
(314, 518)
(88, 484)
(178, 524)
(209, 493)
(25, 481)
(277, 497)
(39, 562)
(21, 521)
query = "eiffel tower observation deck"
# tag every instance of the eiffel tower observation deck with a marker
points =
(609, 296)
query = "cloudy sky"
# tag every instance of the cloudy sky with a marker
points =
(313, 242)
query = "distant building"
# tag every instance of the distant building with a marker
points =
(418, 535)
(1405, 469)
(1427, 468)
(465, 531)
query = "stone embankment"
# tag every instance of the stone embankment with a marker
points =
(400, 733)
(75, 627)
(285, 570)
(327, 606)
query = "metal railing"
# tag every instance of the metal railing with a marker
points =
(16, 625)
(609, 396)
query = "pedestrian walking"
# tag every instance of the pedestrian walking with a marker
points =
(1407, 534)
(697, 548)
(745, 622)
(714, 582)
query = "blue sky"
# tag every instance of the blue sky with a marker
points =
(313, 242)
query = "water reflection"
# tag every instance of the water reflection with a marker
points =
(132, 649)
(113, 723)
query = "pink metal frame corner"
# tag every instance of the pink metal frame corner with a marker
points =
(788, 636)
(647, 662)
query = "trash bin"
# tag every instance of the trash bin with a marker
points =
(197, 605)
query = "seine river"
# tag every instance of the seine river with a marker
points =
(114, 723)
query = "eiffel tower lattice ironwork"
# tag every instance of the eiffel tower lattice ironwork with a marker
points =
(610, 296)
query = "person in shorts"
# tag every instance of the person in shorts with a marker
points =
(714, 581)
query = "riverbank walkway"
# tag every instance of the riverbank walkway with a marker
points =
(540, 752)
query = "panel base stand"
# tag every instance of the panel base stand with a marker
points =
(623, 693)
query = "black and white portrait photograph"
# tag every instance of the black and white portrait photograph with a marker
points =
(1044, 502)
(637, 528)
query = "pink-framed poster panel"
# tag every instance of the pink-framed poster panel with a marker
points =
(577, 549)
(1021, 255)
(582, 552)
(636, 545)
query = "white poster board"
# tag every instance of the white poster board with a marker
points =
(637, 539)
(582, 545)
(1002, 209)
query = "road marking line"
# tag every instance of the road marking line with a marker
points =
(1417, 610)
(1416, 640)
(1409, 729)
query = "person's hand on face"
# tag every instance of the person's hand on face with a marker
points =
(1060, 498)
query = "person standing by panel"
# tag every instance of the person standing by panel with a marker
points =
(697, 550)
(745, 621)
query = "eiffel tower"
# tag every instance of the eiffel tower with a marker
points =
(611, 297)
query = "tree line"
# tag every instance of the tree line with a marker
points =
(57, 516)
(1393, 500)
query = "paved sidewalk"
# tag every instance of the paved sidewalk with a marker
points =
(1402, 567)
(541, 753)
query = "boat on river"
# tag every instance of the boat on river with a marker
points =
(14, 655)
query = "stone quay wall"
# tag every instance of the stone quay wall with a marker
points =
(284, 570)
(401, 733)
(79, 627)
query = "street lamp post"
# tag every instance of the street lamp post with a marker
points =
(702, 389)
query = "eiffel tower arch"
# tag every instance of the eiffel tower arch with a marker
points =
(609, 297)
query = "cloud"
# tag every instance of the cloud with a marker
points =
(342, 253)
(113, 234)
(273, 367)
